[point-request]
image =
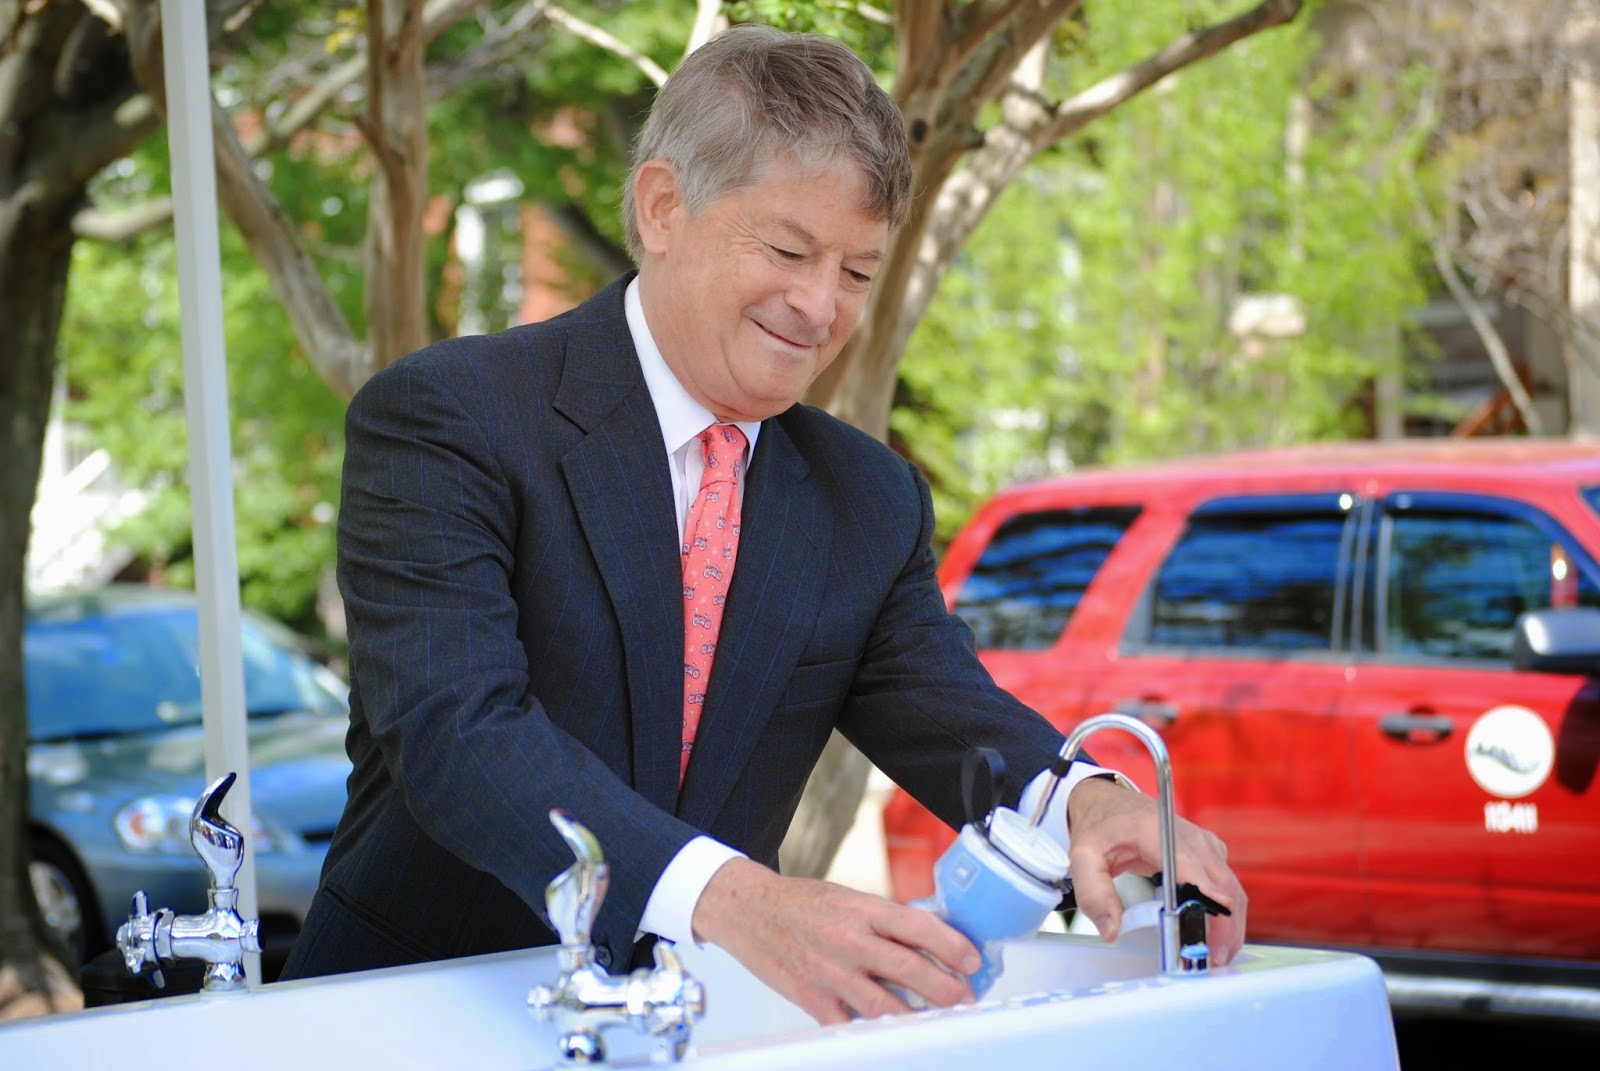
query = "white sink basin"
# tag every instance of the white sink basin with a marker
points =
(1063, 997)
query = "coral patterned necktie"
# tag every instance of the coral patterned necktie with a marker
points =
(710, 545)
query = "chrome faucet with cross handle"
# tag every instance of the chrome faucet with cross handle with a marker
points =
(221, 936)
(585, 1000)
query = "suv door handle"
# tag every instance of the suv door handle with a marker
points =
(1404, 725)
(1156, 713)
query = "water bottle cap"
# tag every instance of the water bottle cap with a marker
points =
(1028, 846)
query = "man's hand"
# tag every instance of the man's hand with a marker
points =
(830, 949)
(1115, 830)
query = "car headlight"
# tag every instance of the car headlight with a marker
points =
(161, 824)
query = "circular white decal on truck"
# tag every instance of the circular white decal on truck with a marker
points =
(1510, 752)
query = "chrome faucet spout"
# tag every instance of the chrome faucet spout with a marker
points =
(573, 899)
(1183, 946)
(220, 937)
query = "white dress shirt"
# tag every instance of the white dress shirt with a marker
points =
(670, 910)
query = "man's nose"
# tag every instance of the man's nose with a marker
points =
(814, 294)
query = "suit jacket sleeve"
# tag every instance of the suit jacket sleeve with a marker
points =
(920, 699)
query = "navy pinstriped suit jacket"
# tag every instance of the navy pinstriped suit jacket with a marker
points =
(510, 570)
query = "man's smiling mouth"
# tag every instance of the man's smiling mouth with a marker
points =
(785, 339)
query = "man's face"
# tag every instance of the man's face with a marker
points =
(754, 297)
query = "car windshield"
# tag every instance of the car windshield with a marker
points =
(1591, 495)
(137, 669)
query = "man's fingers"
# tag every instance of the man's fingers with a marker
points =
(913, 929)
(1115, 830)
(1094, 892)
(829, 949)
(915, 971)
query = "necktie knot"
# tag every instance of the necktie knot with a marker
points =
(722, 446)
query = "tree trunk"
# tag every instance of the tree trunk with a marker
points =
(1583, 229)
(827, 810)
(34, 251)
(396, 128)
(35, 244)
(67, 108)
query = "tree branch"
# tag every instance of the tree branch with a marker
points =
(977, 22)
(596, 36)
(918, 32)
(866, 11)
(987, 63)
(708, 22)
(318, 323)
(438, 16)
(372, 128)
(1493, 344)
(608, 258)
(1027, 129)
(957, 202)
(966, 197)
(1074, 114)
(87, 141)
(122, 226)
(62, 122)
(506, 41)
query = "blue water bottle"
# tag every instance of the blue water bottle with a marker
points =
(1000, 879)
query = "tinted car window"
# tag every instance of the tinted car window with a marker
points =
(1033, 573)
(1457, 580)
(1250, 574)
(137, 670)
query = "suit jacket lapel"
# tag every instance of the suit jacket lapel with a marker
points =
(622, 493)
(785, 535)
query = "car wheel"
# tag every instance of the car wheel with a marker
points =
(65, 899)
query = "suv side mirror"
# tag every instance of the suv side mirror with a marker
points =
(1558, 641)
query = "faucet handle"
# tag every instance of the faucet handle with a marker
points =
(666, 956)
(666, 1003)
(134, 950)
(574, 897)
(217, 842)
(136, 939)
(1189, 892)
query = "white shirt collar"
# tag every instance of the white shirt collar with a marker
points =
(680, 416)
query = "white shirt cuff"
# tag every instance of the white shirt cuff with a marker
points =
(669, 912)
(1055, 818)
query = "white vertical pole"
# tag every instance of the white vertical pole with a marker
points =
(205, 377)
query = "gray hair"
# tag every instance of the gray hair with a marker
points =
(754, 95)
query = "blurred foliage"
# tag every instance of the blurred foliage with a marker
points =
(121, 356)
(865, 27)
(1087, 320)
(553, 111)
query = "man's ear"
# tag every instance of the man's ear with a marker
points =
(655, 200)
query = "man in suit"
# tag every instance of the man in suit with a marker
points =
(514, 546)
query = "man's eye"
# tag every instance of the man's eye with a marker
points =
(860, 278)
(786, 254)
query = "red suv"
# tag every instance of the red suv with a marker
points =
(1377, 670)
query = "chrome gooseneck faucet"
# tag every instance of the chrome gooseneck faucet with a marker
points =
(664, 1002)
(1183, 926)
(220, 936)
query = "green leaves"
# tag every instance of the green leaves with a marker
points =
(1176, 281)
(121, 355)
